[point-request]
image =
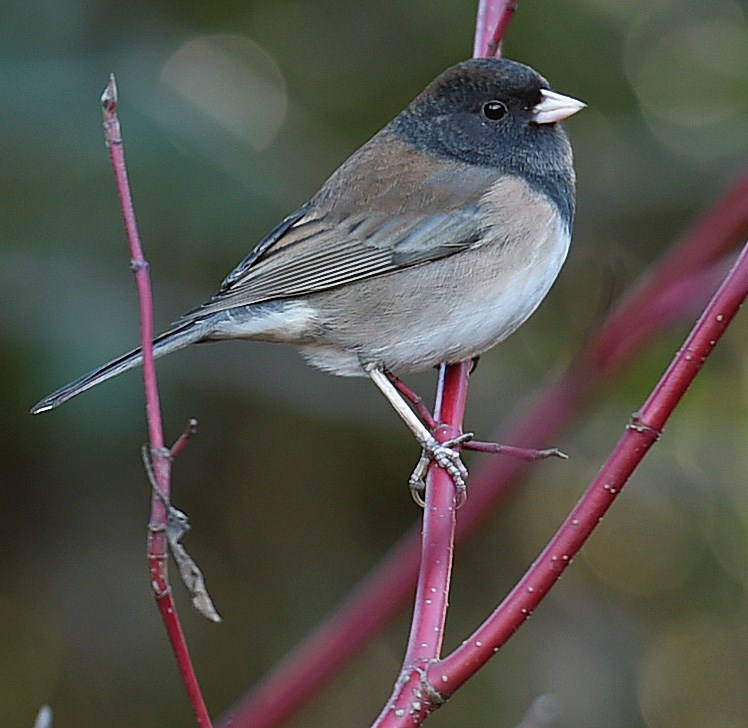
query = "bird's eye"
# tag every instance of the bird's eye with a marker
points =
(495, 110)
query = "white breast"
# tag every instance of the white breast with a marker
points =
(495, 306)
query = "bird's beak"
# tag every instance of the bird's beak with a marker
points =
(555, 107)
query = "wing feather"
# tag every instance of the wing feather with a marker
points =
(364, 229)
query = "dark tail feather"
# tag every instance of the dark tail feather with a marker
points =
(164, 344)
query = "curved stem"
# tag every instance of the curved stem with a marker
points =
(641, 433)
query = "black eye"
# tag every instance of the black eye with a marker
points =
(495, 110)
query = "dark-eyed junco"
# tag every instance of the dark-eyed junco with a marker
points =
(430, 244)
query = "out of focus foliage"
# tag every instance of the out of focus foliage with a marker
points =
(233, 114)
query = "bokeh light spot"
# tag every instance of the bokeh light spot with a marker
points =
(233, 81)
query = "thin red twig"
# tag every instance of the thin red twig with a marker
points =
(160, 456)
(492, 20)
(529, 454)
(184, 439)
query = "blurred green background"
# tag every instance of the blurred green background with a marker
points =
(233, 114)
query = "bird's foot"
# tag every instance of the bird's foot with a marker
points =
(445, 456)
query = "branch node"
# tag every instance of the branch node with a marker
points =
(177, 525)
(637, 425)
(160, 592)
(434, 697)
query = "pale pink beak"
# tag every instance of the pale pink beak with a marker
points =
(555, 107)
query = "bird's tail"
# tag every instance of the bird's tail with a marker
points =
(169, 341)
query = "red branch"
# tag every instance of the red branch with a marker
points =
(704, 244)
(161, 457)
(410, 702)
(491, 23)
(642, 432)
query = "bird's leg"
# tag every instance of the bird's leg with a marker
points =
(467, 441)
(395, 390)
(443, 453)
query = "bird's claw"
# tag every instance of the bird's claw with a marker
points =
(446, 457)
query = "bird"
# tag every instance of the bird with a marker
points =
(430, 244)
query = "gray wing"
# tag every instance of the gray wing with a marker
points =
(312, 256)
(360, 232)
